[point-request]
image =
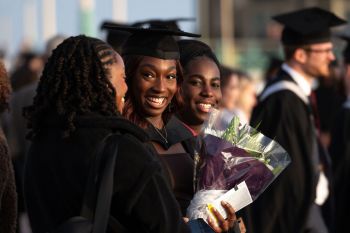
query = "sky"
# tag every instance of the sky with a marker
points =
(21, 19)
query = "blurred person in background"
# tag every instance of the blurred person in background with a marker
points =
(272, 68)
(8, 195)
(3, 56)
(293, 204)
(329, 100)
(30, 65)
(229, 87)
(16, 127)
(238, 93)
(340, 151)
(247, 98)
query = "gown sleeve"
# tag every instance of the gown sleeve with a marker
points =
(143, 201)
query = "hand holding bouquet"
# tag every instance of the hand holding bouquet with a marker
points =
(235, 163)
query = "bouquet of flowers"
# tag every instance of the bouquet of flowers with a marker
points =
(235, 163)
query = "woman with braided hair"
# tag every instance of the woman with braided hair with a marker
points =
(78, 103)
(8, 195)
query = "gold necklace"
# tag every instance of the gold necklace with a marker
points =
(160, 133)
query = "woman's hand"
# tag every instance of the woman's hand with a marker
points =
(224, 225)
(241, 225)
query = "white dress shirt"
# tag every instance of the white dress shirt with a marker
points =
(298, 78)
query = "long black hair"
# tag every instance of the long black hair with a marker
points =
(75, 81)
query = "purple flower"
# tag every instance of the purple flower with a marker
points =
(224, 166)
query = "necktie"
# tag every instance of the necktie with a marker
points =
(314, 110)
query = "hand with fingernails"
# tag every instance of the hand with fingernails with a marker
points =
(223, 225)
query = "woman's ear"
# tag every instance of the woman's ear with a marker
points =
(300, 55)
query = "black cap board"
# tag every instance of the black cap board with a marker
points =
(169, 23)
(114, 38)
(156, 42)
(307, 26)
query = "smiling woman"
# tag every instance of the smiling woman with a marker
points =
(153, 83)
(156, 84)
(201, 86)
(154, 76)
(201, 92)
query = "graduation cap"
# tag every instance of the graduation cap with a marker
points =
(307, 26)
(169, 23)
(114, 38)
(156, 42)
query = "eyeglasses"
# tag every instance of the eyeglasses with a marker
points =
(319, 50)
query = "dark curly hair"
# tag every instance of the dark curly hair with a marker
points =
(75, 81)
(5, 88)
(191, 49)
(131, 112)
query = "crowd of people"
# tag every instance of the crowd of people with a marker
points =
(150, 92)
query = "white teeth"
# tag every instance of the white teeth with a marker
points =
(206, 106)
(156, 100)
(123, 100)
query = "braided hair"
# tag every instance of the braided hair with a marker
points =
(5, 88)
(75, 81)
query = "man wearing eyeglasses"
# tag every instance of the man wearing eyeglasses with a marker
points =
(293, 202)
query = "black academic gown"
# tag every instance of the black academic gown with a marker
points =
(284, 206)
(178, 167)
(57, 169)
(340, 152)
(328, 103)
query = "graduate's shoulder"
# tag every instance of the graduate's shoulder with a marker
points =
(281, 98)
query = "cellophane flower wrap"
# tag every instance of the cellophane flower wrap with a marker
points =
(228, 154)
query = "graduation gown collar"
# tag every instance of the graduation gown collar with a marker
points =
(298, 79)
(282, 83)
(176, 132)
